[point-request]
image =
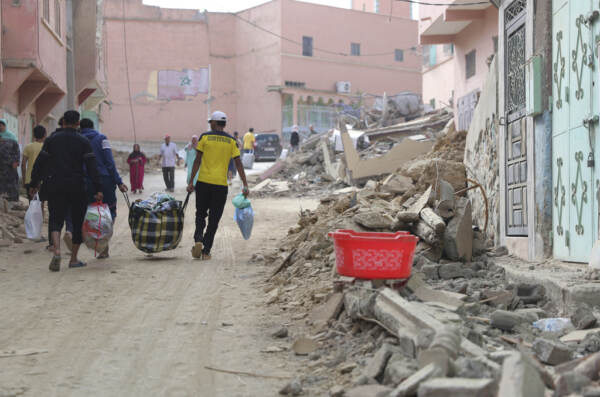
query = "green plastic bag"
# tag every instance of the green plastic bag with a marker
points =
(240, 201)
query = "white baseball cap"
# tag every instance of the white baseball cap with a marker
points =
(218, 116)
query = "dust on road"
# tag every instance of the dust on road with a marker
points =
(138, 326)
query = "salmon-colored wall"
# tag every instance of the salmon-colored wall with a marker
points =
(245, 61)
(156, 40)
(397, 8)
(258, 66)
(478, 36)
(52, 48)
(333, 30)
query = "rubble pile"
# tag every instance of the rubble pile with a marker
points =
(386, 110)
(12, 224)
(457, 327)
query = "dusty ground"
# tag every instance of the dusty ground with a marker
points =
(138, 326)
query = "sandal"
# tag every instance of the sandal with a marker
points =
(205, 257)
(55, 264)
(78, 264)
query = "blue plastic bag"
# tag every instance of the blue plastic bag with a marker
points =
(240, 201)
(245, 220)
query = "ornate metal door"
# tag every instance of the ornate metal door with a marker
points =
(574, 110)
(516, 135)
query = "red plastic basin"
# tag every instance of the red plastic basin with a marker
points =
(374, 255)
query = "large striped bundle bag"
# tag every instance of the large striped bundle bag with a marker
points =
(156, 223)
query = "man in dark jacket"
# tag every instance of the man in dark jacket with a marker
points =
(61, 165)
(294, 139)
(109, 175)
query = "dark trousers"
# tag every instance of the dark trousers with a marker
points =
(169, 177)
(210, 199)
(62, 203)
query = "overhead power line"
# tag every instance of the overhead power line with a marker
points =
(326, 51)
(426, 3)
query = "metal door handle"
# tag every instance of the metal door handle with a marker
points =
(589, 121)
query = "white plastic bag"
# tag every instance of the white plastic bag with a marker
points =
(245, 220)
(552, 324)
(34, 219)
(97, 227)
(248, 160)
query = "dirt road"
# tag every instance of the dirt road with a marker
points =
(138, 326)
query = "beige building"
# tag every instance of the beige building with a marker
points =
(269, 67)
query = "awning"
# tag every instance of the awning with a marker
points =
(452, 21)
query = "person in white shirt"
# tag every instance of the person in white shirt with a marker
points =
(169, 158)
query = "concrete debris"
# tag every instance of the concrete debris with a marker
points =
(464, 387)
(458, 237)
(520, 378)
(583, 317)
(506, 320)
(280, 333)
(304, 346)
(411, 385)
(368, 391)
(551, 352)
(376, 365)
(294, 388)
(12, 225)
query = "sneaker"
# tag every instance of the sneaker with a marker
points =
(197, 250)
(205, 257)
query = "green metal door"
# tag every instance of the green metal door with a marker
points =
(574, 104)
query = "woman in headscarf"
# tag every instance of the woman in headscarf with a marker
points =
(136, 160)
(190, 157)
(9, 161)
(5, 133)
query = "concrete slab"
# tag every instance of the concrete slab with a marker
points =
(565, 283)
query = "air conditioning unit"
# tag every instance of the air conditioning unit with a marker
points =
(343, 87)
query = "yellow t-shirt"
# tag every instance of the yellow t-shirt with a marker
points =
(217, 149)
(31, 151)
(249, 141)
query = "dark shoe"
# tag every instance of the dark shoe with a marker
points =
(197, 250)
(55, 264)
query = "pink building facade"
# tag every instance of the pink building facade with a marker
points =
(457, 41)
(386, 7)
(269, 67)
(49, 51)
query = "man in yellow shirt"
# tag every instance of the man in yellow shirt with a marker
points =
(30, 154)
(214, 150)
(249, 141)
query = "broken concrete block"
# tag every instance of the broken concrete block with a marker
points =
(376, 365)
(520, 378)
(336, 391)
(583, 317)
(426, 232)
(431, 252)
(410, 386)
(570, 382)
(294, 388)
(506, 320)
(436, 356)
(398, 369)
(407, 216)
(464, 387)
(551, 352)
(449, 339)
(433, 220)
(448, 271)
(446, 202)
(330, 310)
(458, 236)
(280, 333)
(423, 201)
(368, 391)
(397, 184)
(374, 220)
(428, 171)
(431, 272)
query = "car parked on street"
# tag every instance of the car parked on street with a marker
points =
(268, 147)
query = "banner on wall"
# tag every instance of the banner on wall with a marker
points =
(179, 84)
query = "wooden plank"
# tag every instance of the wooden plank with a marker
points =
(579, 335)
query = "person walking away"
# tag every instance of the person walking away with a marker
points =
(6, 134)
(249, 141)
(169, 157)
(215, 149)
(294, 139)
(312, 130)
(30, 154)
(61, 162)
(136, 160)
(9, 162)
(190, 156)
(68, 237)
(109, 175)
(231, 172)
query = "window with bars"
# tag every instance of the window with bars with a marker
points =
(307, 46)
(470, 64)
(448, 49)
(399, 55)
(355, 49)
(46, 10)
(57, 16)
